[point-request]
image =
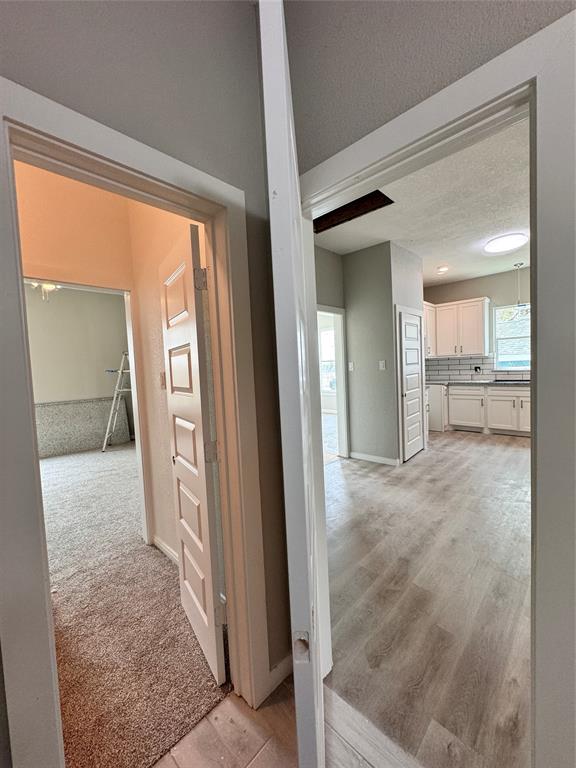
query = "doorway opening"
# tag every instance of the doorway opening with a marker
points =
(429, 519)
(140, 656)
(331, 353)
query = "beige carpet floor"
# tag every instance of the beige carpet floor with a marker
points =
(133, 679)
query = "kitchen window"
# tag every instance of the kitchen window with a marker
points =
(512, 337)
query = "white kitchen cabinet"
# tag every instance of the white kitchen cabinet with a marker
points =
(466, 406)
(429, 329)
(462, 328)
(502, 411)
(508, 408)
(438, 407)
(446, 330)
(473, 327)
(524, 414)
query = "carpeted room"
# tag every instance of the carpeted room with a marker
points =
(132, 676)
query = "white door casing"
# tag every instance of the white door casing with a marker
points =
(411, 376)
(193, 446)
(299, 394)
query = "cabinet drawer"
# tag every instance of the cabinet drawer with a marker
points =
(455, 390)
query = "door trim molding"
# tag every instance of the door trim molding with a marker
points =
(44, 133)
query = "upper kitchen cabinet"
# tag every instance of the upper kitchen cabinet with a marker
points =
(446, 329)
(429, 330)
(462, 328)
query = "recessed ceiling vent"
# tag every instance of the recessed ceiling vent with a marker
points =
(360, 207)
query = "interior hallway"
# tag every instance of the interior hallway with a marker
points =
(430, 598)
(133, 679)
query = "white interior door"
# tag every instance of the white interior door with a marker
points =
(412, 385)
(193, 450)
(299, 394)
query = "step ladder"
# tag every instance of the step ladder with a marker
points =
(119, 391)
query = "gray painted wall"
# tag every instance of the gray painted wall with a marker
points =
(407, 282)
(372, 407)
(184, 78)
(329, 277)
(376, 279)
(87, 328)
(356, 65)
(501, 289)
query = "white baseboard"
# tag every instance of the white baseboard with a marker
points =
(375, 459)
(165, 549)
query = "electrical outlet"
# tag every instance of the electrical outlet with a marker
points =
(350, 365)
(382, 365)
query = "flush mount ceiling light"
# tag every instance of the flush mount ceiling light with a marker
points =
(442, 269)
(45, 288)
(506, 243)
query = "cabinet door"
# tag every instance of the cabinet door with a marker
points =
(430, 330)
(524, 414)
(471, 328)
(466, 410)
(502, 412)
(447, 330)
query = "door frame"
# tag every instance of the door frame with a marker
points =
(398, 310)
(535, 78)
(341, 378)
(44, 133)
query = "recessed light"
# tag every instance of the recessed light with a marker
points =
(442, 269)
(506, 243)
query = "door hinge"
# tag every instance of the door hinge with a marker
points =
(221, 615)
(211, 451)
(200, 279)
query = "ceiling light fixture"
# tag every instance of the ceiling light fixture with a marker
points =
(506, 243)
(45, 288)
(442, 269)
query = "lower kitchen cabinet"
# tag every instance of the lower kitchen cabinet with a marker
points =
(466, 406)
(490, 408)
(508, 409)
(502, 411)
(524, 424)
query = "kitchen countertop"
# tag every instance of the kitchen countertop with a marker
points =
(486, 382)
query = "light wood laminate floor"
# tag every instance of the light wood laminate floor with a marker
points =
(430, 593)
(235, 736)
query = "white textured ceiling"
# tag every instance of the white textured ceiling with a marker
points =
(447, 211)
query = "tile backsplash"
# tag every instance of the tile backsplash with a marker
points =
(462, 369)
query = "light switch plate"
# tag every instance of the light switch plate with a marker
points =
(382, 365)
(350, 365)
